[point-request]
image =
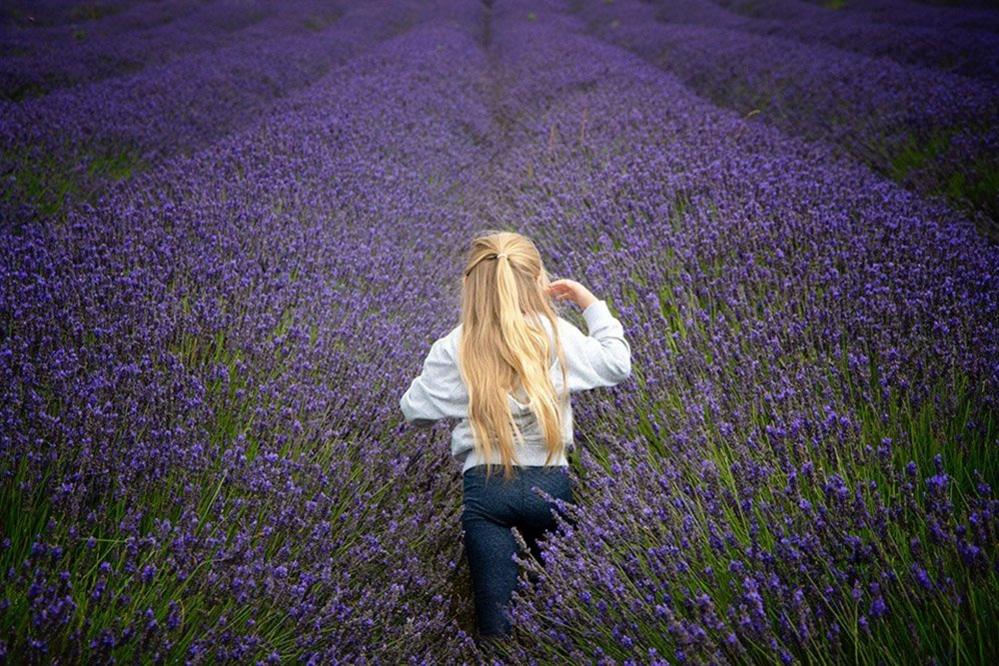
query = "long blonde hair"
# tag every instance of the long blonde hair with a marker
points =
(504, 294)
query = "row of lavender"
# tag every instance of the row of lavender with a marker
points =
(70, 145)
(931, 130)
(200, 443)
(969, 49)
(934, 131)
(803, 469)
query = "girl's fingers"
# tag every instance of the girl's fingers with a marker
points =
(562, 290)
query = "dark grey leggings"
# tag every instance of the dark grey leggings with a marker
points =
(491, 508)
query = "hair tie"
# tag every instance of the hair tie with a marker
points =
(491, 255)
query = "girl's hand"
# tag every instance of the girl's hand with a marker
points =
(570, 290)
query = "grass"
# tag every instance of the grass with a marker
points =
(93, 10)
(915, 153)
(319, 22)
(974, 187)
(980, 190)
(50, 180)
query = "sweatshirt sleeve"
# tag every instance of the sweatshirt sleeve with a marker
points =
(602, 358)
(439, 391)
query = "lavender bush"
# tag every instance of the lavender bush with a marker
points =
(201, 454)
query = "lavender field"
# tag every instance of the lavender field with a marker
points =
(232, 229)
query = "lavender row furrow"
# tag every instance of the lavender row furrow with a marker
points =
(68, 145)
(919, 13)
(965, 51)
(935, 133)
(52, 13)
(83, 57)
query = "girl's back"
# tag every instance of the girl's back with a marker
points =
(509, 383)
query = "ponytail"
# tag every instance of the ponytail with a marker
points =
(500, 346)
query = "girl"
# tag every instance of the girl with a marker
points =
(506, 372)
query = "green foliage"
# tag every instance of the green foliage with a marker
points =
(973, 186)
(48, 180)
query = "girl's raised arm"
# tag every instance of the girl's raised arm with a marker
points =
(602, 358)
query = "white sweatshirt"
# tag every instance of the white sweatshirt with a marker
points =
(601, 359)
